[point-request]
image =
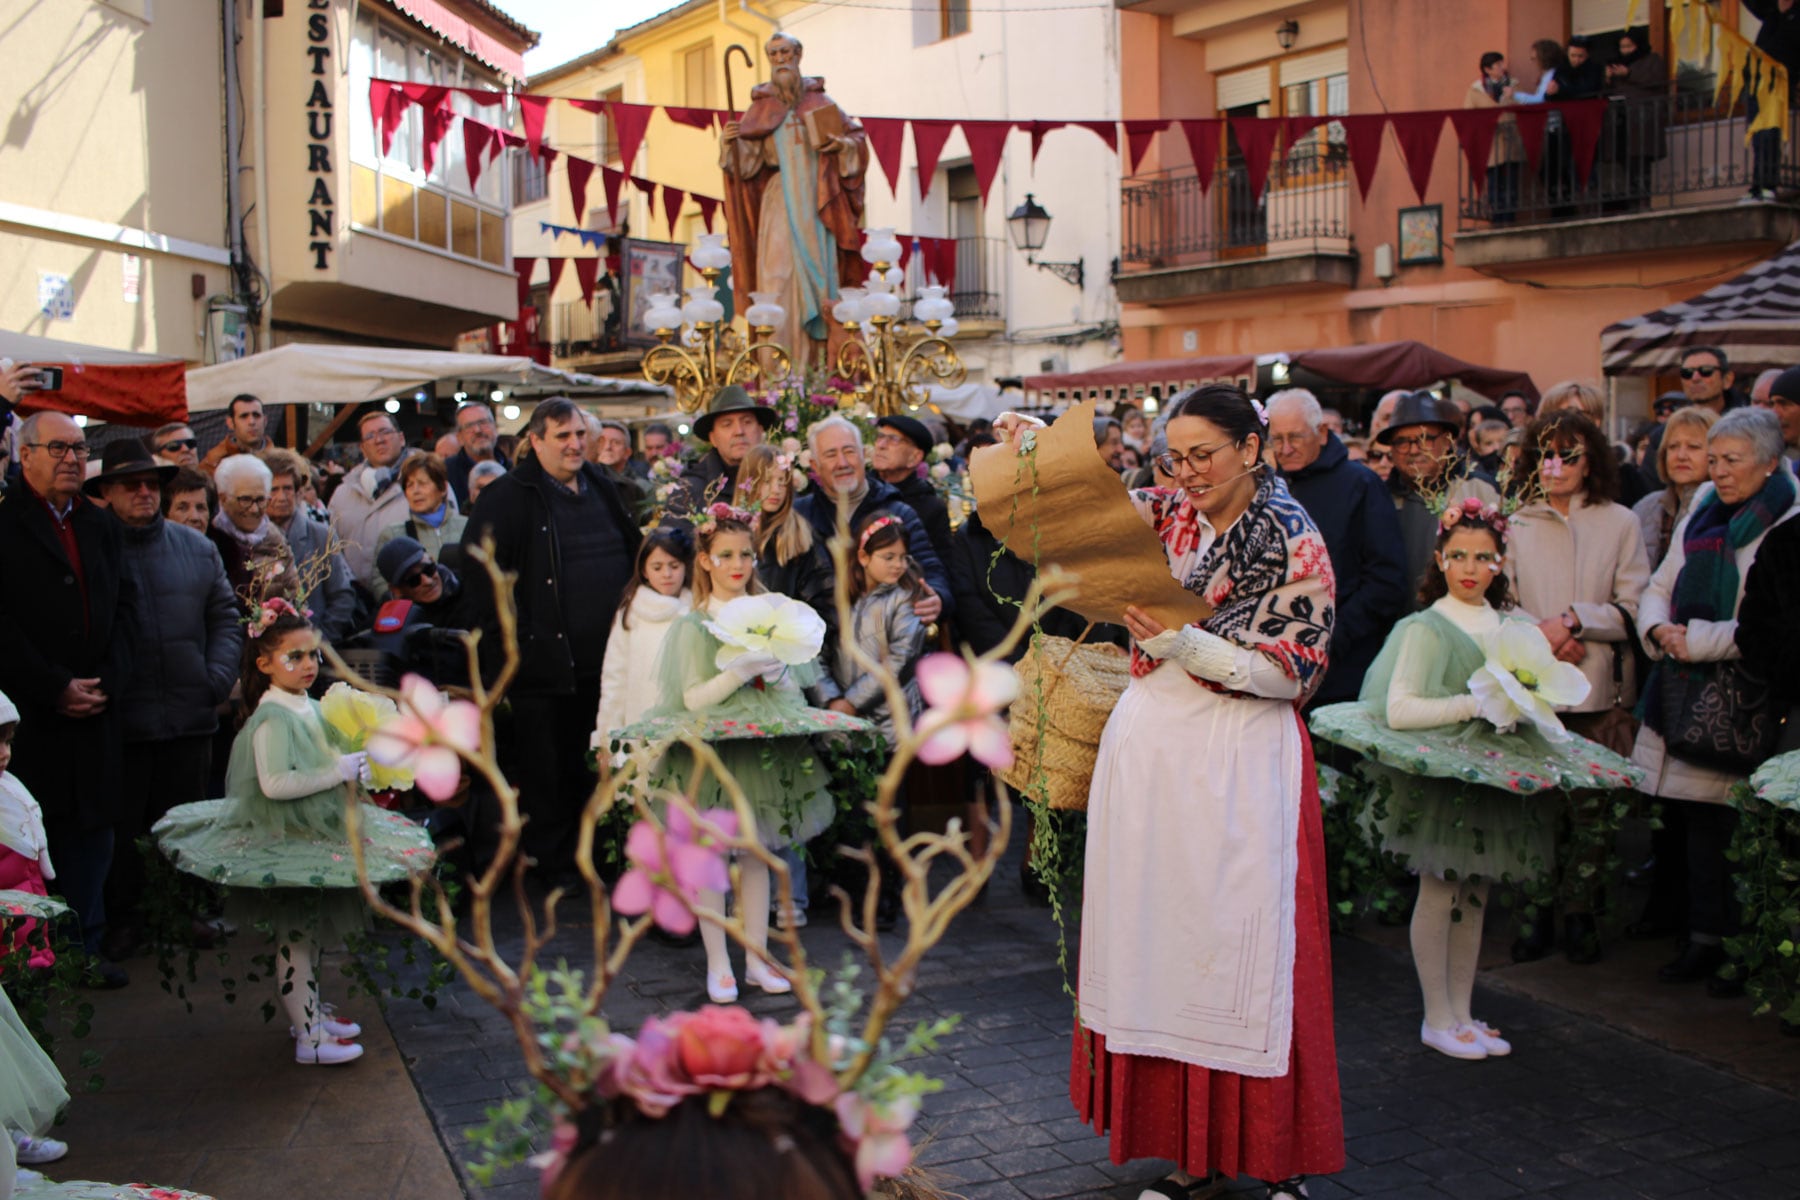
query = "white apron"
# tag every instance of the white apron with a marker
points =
(1187, 925)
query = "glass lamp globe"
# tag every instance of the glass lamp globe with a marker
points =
(710, 253)
(880, 246)
(881, 304)
(764, 312)
(662, 313)
(702, 305)
(932, 304)
(848, 310)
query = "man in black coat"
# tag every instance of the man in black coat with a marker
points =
(477, 436)
(901, 447)
(560, 525)
(71, 609)
(1356, 517)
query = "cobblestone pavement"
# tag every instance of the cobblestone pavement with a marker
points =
(1578, 1110)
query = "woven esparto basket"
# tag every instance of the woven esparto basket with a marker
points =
(1060, 724)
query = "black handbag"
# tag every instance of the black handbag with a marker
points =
(1719, 714)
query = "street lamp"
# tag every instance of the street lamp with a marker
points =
(892, 370)
(697, 367)
(1029, 225)
(1287, 33)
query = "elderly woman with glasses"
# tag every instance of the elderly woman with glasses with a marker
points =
(258, 561)
(1688, 622)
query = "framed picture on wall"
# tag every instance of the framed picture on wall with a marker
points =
(1422, 235)
(646, 269)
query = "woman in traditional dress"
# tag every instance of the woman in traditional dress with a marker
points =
(1205, 1033)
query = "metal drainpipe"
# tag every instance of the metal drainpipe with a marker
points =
(234, 128)
(260, 116)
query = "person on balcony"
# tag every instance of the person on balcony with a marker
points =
(1586, 78)
(1779, 38)
(1558, 161)
(1636, 129)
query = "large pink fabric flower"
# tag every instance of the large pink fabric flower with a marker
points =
(720, 1047)
(878, 1132)
(679, 861)
(964, 706)
(649, 1070)
(429, 735)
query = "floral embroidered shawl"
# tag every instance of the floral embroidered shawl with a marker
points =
(1268, 578)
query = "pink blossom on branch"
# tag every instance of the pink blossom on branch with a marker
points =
(677, 862)
(428, 736)
(963, 710)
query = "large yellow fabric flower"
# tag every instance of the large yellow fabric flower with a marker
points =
(355, 714)
(1523, 679)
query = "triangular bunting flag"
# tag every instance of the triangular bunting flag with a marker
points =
(610, 182)
(1362, 138)
(1532, 119)
(672, 198)
(437, 124)
(597, 107)
(887, 136)
(580, 171)
(1038, 130)
(987, 141)
(928, 142)
(646, 186)
(531, 113)
(709, 208)
(1256, 139)
(1475, 129)
(556, 269)
(587, 273)
(1137, 141)
(630, 120)
(693, 118)
(1106, 131)
(1203, 145)
(477, 137)
(524, 267)
(1583, 119)
(1418, 134)
(485, 97)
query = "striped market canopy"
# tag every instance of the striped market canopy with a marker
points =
(1753, 317)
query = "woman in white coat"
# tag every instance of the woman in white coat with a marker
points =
(1688, 615)
(657, 594)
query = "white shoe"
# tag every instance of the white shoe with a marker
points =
(1458, 1041)
(1757, 196)
(766, 979)
(331, 1027)
(35, 1151)
(1490, 1039)
(326, 1054)
(28, 1176)
(722, 988)
(779, 918)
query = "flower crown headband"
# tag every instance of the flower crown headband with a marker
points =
(263, 614)
(1474, 512)
(708, 518)
(877, 524)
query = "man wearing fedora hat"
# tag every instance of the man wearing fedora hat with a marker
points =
(1422, 435)
(72, 608)
(186, 662)
(732, 424)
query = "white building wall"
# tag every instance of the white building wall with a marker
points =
(1021, 65)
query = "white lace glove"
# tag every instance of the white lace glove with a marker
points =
(353, 767)
(1201, 654)
(756, 664)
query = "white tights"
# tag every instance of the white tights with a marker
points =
(1446, 946)
(753, 910)
(296, 981)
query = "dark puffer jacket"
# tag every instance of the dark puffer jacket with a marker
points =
(190, 641)
(820, 511)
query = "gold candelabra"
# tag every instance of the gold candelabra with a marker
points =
(696, 366)
(891, 372)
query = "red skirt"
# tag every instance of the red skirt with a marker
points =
(1202, 1119)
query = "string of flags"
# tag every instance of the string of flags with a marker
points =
(1257, 139)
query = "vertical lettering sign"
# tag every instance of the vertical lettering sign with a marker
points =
(319, 204)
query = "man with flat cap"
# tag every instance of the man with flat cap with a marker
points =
(731, 424)
(901, 446)
(1422, 435)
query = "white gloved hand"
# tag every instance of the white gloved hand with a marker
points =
(755, 663)
(353, 767)
(1201, 654)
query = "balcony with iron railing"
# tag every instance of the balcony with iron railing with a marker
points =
(1180, 241)
(1668, 172)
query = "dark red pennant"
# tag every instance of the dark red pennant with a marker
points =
(1256, 138)
(556, 269)
(672, 198)
(928, 142)
(631, 120)
(1475, 129)
(987, 141)
(1362, 138)
(524, 267)
(531, 112)
(646, 186)
(887, 137)
(1418, 134)
(587, 273)
(485, 97)
(709, 208)
(693, 118)
(1532, 119)
(597, 107)
(1583, 118)
(580, 171)
(1203, 145)
(476, 139)
(1106, 131)
(1038, 130)
(610, 182)
(437, 124)
(1137, 140)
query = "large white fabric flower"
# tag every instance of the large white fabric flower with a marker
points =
(1523, 679)
(768, 624)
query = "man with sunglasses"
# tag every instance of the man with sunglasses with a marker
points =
(188, 645)
(1706, 381)
(174, 445)
(426, 595)
(72, 608)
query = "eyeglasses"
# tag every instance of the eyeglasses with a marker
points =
(293, 658)
(1282, 441)
(1380, 455)
(380, 435)
(1569, 457)
(1199, 460)
(62, 450)
(1406, 445)
(477, 423)
(178, 444)
(252, 502)
(414, 578)
(1701, 372)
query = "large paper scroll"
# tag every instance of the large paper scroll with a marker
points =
(1072, 512)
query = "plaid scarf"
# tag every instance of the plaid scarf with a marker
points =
(1269, 581)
